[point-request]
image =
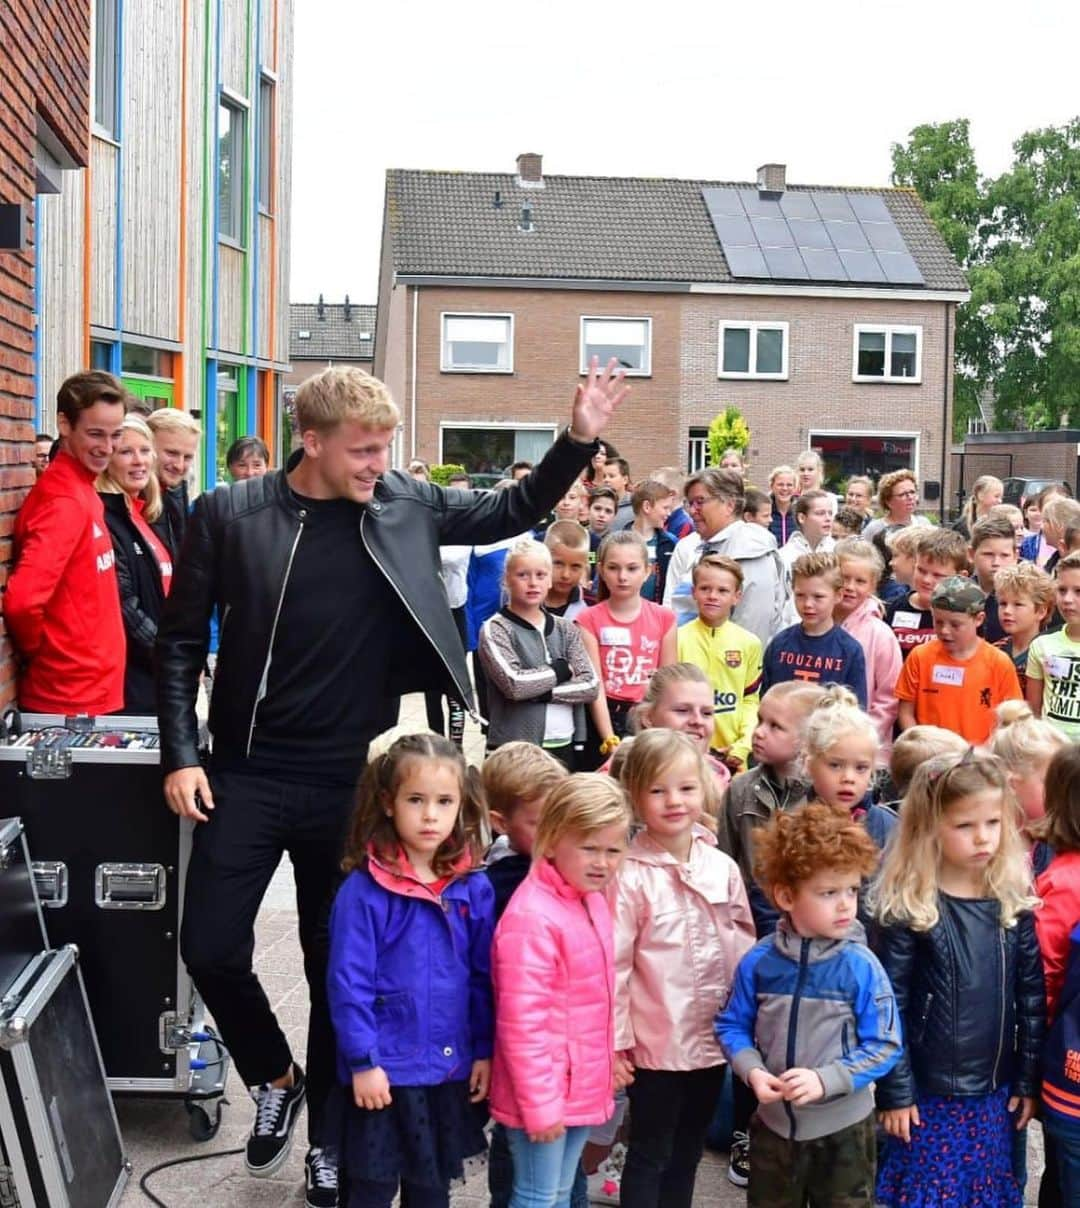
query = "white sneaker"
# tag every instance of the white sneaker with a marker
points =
(606, 1181)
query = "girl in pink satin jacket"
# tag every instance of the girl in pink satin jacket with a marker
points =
(682, 924)
(553, 968)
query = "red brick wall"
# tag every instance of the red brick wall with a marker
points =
(44, 69)
(547, 337)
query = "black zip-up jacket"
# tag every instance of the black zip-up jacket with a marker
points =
(237, 552)
(974, 1019)
(172, 523)
(142, 599)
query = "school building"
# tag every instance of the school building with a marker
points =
(825, 314)
(145, 150)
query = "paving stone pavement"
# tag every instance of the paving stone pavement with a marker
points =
(155, 1131)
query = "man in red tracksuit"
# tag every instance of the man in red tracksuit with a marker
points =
(62, 604)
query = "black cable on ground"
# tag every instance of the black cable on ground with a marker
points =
(199, 1157)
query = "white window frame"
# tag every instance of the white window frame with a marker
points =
(889, 330)
(583, 360)
(104, 103)
(238, 134)
(753, 326)
(445, 365)
(452, 425)
(697, 448)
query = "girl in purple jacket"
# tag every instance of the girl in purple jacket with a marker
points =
(409, 978)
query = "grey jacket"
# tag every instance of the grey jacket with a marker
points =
(529, 670)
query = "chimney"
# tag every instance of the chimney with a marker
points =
(530, 174)
(320, 310)
(772, 178)
(348, 309)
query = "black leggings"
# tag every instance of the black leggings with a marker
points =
(371, 1194)
(670, 1112)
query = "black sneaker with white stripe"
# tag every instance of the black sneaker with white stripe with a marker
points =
(277, 1109)
(320, 1175)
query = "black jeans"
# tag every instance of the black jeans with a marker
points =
(670, 1111)
(234, 855)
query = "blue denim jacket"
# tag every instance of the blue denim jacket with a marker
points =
(409, 977)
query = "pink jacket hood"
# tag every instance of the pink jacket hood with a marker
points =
(883, 665)
(553, 969)
(680, 932)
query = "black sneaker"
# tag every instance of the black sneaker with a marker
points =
(320, 1176)
(738, 1171)
(276, 1112)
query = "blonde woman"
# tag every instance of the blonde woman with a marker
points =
(131, 496)
(986, 493)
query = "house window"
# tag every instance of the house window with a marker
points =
(486, 450)
(697, 450)
(228, 418)
(477, 343)
(105, 50)
(888, 354)
(753, 350)
(266, 144)
(230, 170)
(145, 362)
(629, 341)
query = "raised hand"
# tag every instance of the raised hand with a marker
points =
(596, 398)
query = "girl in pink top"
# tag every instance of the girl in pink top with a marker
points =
(626, 637)
(553, 967)
(859, 612)
(682, 924)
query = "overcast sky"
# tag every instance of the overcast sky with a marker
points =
(624, 88)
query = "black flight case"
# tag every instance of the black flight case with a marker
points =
(109, 861)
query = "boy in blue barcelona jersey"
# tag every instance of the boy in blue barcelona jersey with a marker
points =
(816, 649)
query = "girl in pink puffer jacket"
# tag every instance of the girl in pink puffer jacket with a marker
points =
(682, 924)
(553, 969)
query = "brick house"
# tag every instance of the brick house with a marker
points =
(44, 129)
(825, 314)
(322, 334)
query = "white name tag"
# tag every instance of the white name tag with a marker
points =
(1058, 667)
(948, 675)
(907, 620)
(614, 635)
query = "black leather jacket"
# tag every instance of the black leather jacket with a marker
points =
(973, 1019)
(237, 552)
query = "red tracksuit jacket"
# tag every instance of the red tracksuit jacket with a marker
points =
(62, 604)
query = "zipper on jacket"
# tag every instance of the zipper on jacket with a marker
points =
(610, 995)
(793, 1023)
(466, 693)
(1001, 1026)
(260, 692)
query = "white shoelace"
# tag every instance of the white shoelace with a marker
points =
(268, 1100)
(323, 1170)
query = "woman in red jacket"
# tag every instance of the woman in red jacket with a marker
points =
(62, 606)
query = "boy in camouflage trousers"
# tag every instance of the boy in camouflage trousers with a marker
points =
(812, 1022)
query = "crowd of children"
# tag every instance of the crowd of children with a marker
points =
(842, 863)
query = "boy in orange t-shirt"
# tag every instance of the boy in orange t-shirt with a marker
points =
(956, 680)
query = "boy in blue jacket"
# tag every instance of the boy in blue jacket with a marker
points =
(812, 1020)
(816, 650)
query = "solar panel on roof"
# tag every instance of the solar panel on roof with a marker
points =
(785, 263)
(900, 268)
(798, 205)
(884, 237)
(862, 266)
(869, 208)
(772, 232)
(823, 264)
(746, 262)
(810, 234)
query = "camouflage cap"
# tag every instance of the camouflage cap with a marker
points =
(958, 594)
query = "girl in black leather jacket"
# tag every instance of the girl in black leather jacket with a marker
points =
(958, 942)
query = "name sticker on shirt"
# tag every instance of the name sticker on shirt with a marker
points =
(614, 635)
(1058, 667)
(906, 620)
(948, 675)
